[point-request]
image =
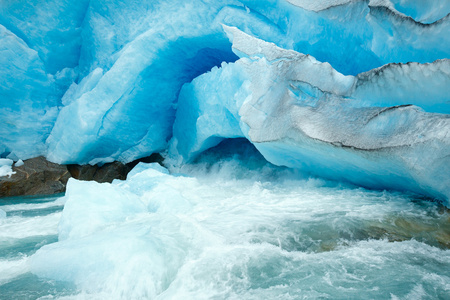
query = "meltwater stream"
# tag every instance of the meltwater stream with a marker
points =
(238, 228)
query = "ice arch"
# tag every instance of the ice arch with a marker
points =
(303, 114)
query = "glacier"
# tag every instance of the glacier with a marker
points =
(306, 148)
(348, 90)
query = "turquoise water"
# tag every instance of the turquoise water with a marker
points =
(29, 224)
(226, 231)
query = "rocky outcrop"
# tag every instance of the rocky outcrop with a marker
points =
(35, 177)
(38, 176)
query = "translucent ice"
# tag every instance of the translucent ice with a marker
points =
(19, 163)
(303, 114)
(120, 225)
(124, 108)
(27, 99)
(50, 27)
(420, 10)
(99, 81)
(356, 36)
(40, 47)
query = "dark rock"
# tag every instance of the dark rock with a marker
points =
(109, 172)
(36, 177)
(105, 173)
(155, 157)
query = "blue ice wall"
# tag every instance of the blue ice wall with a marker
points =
(50, 27)
(27, 98)
(126, 109)
(40, 45)
(98, 81)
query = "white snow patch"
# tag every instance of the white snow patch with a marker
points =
(5, 167)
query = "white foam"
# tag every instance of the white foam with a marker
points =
(12, 268)
(20, 227)
(216, 236)
(33, 206)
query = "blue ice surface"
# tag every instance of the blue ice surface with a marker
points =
(332, 127)
(27, 101)
(422, 10)
(207, 115)
(50, 27)
(99, 81)
(128, 112)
